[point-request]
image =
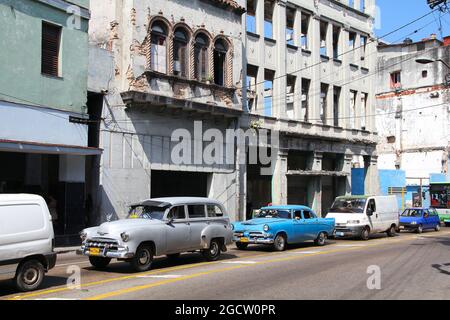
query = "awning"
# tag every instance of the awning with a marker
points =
(45, 148)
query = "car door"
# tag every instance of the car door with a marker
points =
(434, 217)
(310, 225)
(428, 220)
(198, 222)
(299, 227)
(374, 219)
(178, 230)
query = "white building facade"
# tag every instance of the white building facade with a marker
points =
(309, 67)
(413, 109)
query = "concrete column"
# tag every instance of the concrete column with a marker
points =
(314, 191)
(298, 28)
(280, 83)
(279, 179)
(357, 52)
(345, 90)
(358, 113)
(357, 4)
(314, 101)
(371, 182)
(347, 168)
(259, 16)
(329, 41)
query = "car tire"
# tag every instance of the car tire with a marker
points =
(419, 229)
(99, 262)
(213, 252)
(29, 275)
(279, 244)
(173, 256)
(321, 239)
(391, 231)
(438, 227)
(241, 245)
(365, 234)
(143, 259)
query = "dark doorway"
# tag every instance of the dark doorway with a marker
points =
(298, 190)
(178, 184)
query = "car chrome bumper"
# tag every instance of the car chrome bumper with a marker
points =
(120, 253)
(347, 231)
(255, 240)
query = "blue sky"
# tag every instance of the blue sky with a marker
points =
(395, 13)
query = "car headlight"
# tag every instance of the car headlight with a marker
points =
(353, 222)
(266, 228)
(83, 236)
(414, 222)
(125, 236)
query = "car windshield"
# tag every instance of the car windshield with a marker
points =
(274, 213)
(349, 205)
(411, 213)
(146, 212)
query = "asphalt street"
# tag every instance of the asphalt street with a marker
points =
(410, 266)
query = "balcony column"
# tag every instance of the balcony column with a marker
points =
(280, 84)
(279, 178)
(259, 17)
(344, 111)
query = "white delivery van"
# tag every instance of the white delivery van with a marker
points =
(26, 240)
(360, 216)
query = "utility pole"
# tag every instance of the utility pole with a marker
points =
(434, 3)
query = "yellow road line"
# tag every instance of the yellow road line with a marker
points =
(195, 275)
(189, 266)
(94, 283)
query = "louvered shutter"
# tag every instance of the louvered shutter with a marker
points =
(51, 39)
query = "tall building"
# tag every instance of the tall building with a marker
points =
(43, 112)
(310, 69)
(413, 111)
(168, 67)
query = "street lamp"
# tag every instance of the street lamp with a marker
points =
(427, 61)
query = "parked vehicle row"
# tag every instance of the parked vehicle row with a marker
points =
(170, 226)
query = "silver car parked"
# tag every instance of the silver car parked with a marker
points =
(160, 226)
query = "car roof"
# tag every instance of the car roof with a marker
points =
(287, 207)
(171, 201)
(19, 197)
(421, 208)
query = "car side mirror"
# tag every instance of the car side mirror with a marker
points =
(369, 212)
(169, 221)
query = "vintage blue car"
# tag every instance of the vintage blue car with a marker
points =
(280, 225)
(419, 219)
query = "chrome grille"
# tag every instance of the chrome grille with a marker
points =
(102, 243)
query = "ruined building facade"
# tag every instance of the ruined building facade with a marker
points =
(162, 65)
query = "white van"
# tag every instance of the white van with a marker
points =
(26, 240)
(360, 216)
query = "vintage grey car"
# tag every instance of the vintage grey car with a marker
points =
(160, 226)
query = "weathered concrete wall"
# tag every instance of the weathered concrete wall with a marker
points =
(415, 117)
(136, 139)
(20, 38)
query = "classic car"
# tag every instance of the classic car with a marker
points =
(160, 226)
(282, 225)
(419, 219)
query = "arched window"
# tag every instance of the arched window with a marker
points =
(158, 53)
(201, 57)
(220, 54)
(180, 53)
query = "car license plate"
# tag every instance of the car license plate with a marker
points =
(340, 234)
(94, 251)
(401, 227)
(244, 239)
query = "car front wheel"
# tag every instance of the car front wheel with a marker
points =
(99, 262)
(321, 239)
(280, 243)
(143, 259)
(365, 233)
(29, 275)
(419, 229)
(213, 253)
(438, 227)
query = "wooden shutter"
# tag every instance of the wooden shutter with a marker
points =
(182, 55)
(51, 39)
